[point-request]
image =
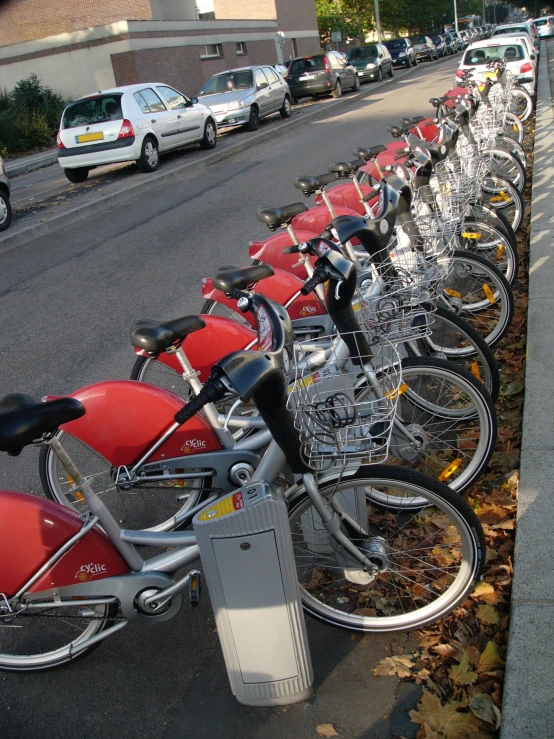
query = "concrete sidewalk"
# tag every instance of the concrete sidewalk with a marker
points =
(528, 711)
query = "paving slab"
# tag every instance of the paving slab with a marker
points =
(528, 708)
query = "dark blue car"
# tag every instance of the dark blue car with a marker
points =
(402, 52)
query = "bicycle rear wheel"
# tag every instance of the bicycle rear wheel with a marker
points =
(503, 196)
(429, 559)
(151, 505)
(489, 242)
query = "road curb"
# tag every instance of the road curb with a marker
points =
(167, 175)
(13, 169)
(528, 709)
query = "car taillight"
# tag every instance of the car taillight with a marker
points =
(460, 73)
(527, 67)
(59, 141)
(326, 62)
(127, 130)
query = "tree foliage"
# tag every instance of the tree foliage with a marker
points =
(355, 18)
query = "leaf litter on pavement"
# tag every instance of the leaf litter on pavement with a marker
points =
(459, 661)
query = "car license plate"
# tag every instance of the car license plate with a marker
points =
(306, 77)
(98, 136)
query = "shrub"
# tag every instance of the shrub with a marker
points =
(29, 116)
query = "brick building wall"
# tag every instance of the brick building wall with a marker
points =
(245, 9)
(25, 20)
(182, 66)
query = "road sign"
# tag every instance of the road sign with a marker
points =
(336, 36)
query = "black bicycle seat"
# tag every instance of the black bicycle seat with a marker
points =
(395, 131)
(346, 169)
(155, 337)
(22, 419)
(370, 152)
(309, 185)
(275, 217)
(239, 278)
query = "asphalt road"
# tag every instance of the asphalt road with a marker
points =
(67, 302)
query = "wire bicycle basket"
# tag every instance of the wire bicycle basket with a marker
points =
(343, 408)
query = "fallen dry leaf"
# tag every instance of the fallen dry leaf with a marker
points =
(447, 720)
(482, 705)
(487, 614)
(326, 730)
(461, 674)
(400, 666)
(490, 659)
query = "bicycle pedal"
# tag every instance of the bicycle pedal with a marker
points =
(194, 588)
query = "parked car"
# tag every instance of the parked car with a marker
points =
(440, 45)
(325, 73)
(402, 52)
(451, 47)
(544, 26)
(282, 69)
(372, 62)
(457, 39)
(519, 60)
(522, 27)
(131, 123)
(466, 38)
(5, 205)
(424, 48)
(243, 96)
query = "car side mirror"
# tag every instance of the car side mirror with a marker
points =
(192, 101)
(262, 86)
(533, 57)
(381, 55)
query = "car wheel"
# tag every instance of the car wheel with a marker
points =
(209, 139)
(77, 175)
(356, 87)
(5, 211)
(380, 75)
(294, 101)
(391, 71)
(285, 110)
(149, 157)
(337, 92)
(254, 120)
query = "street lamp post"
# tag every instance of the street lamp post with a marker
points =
(456, 16)
(378, 21)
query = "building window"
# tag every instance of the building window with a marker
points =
(210, 51)
(206, 16)
(241, 48)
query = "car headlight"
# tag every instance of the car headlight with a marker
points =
(370, 66)
(403, 53)
(235, 105)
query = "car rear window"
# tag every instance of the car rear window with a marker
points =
(542, 22)
(306, 65)
(418, 39)
(93, 110)
(365, 52)
(484, 55)
(398, 43)
(512, 29)
(228, 82)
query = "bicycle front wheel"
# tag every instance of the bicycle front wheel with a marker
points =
(489, 242)
(452, 338)
(500, 194)
(480, 294)
(521, 103)
(445, 424)
(429, 559)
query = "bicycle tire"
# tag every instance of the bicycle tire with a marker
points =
(507, 166)
(481, 295)
(502, 195)
(451, 417)
(137, 509)
(492, 243)
(348, 598)
(44, 631)
(523, 113)
(452, 338)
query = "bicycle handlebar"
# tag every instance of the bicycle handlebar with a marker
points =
(213, 390)
(319, 277)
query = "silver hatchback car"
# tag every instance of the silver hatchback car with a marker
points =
(243, 96)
